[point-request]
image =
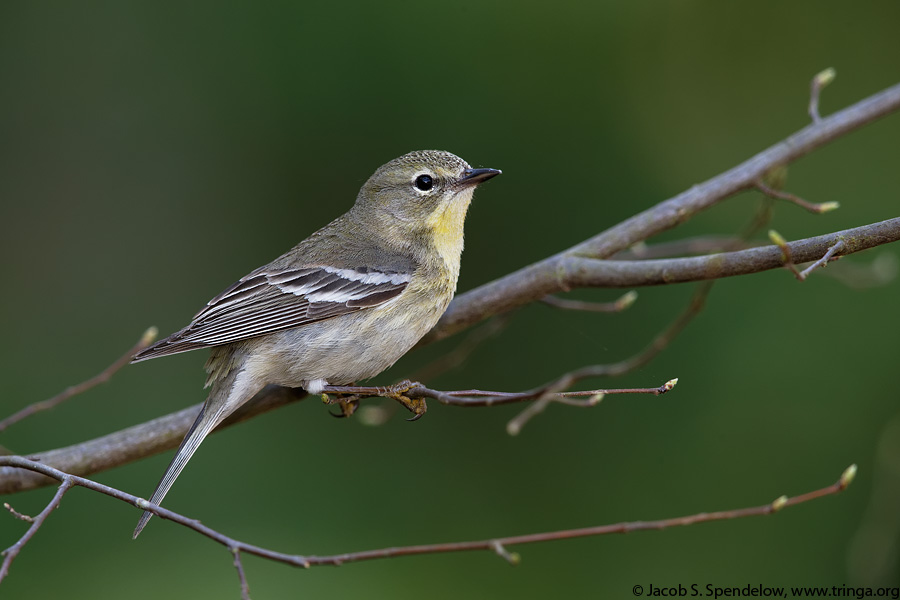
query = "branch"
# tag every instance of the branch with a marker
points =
(541, 279)
(481, 398)
(821, 207)
(496, 545)
(816, 86)
(577, 271)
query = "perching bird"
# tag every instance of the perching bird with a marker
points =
(342, 305)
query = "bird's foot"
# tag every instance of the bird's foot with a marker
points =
(399, 392)
(348, 397)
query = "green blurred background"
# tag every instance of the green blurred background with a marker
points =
(153, 152)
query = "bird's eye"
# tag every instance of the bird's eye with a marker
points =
(424, 183)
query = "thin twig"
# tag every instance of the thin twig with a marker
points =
(242, 576)
(619, 305)
(496, 545)
(102, 377)
(822, 262)
(551, 390)
(17, 514)
(817, 208)
(13, 551)
(815, 89)
(512, 558)
(472, 398)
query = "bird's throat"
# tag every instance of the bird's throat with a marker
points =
(446, 225)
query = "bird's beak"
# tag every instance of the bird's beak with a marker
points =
(476, 176)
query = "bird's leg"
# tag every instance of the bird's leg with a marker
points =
(398, 392)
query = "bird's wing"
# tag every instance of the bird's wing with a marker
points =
(266, 301)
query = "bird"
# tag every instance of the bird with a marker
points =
(341, 306)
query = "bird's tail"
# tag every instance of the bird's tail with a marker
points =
(205, 422)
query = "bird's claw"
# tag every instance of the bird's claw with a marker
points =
(398, 392)
(348, 406)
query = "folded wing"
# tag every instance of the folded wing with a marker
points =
(268, 301)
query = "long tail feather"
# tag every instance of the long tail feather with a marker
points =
(205, 422)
